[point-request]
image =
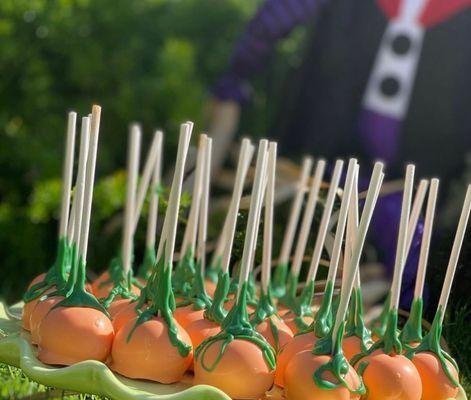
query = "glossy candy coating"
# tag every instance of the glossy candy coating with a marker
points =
(284, 332)
(39, 313)
(29, 307)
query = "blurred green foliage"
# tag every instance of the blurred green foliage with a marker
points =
(150, 61)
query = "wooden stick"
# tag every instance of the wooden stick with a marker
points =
(268, 222)
(169, 229)
(203, 214)
(352, 171)
(189, 237)
(154, 198)
(77, 207)
(415, 213)
(89, 181)
(322, 232)
(245, 158)
(402, 238)
(67, 173)
(350, 272)
(306, 222)
(149, 167)
(295, 212)
(131, 184)
(252, 223)
(426, 239)
(455, 253)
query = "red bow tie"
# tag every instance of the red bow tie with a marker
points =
(435, 11)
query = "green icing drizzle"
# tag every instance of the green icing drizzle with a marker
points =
(412, 331)
(289, 297)
(184, 273)
(278, 283)
(302, 306)
(212, 272)
(216, 311)
(57, 274)
(159, 295)
(236, 325)
(74, 290)
(431, 343)
(337, 365)
(323, 322)
(265, 311)
(198, 296)
(355, 325)
(122, 282)
(145, 269)
(379, 325)
(389, 343)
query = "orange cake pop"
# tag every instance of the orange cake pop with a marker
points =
(239, 361)
(79, 318)
(437, 369)
(319, 326)
(39, 313)
(387, 373)
(154, 346)
(324, 372)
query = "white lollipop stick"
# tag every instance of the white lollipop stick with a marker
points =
(203, 214)
(252, 222)
(306, 222)
(246, 153)
(295, 212)
(323, 227)
(80, 181)
(268, 222)
(415, 214)
(189, 237)
(245, 158)
(352, 226)
(149, 167)
(455, 253)
(352, 171)
(89, 181)
(129, 210)
(154, 198)
(169, 229)
(67, 174)
(402, 238)
(426, 239)
(350, 272)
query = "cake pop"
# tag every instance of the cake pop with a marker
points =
(324, 372)
(239, 360)
(265, 318)
(387, 373)
(79, 318)
(437, 369)
(154, 346)
(281, 270)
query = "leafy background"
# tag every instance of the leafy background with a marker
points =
(150, 61)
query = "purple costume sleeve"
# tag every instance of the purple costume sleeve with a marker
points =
(274, 20)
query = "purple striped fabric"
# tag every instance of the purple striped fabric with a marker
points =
(274, 20)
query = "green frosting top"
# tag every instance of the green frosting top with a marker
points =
(184, 273)
(302, 306)
(323, 322)
(122, 282)
(212, 272)
(158, 294)
(145, 269)
(288, 299)
(216, 311)
(57, 274)
(379, 325)
(431, 343)
(278, 282)
(198, 296)
(412, 330)
(355, 325)
(265, 311)
(337, 365)
(236, 325)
